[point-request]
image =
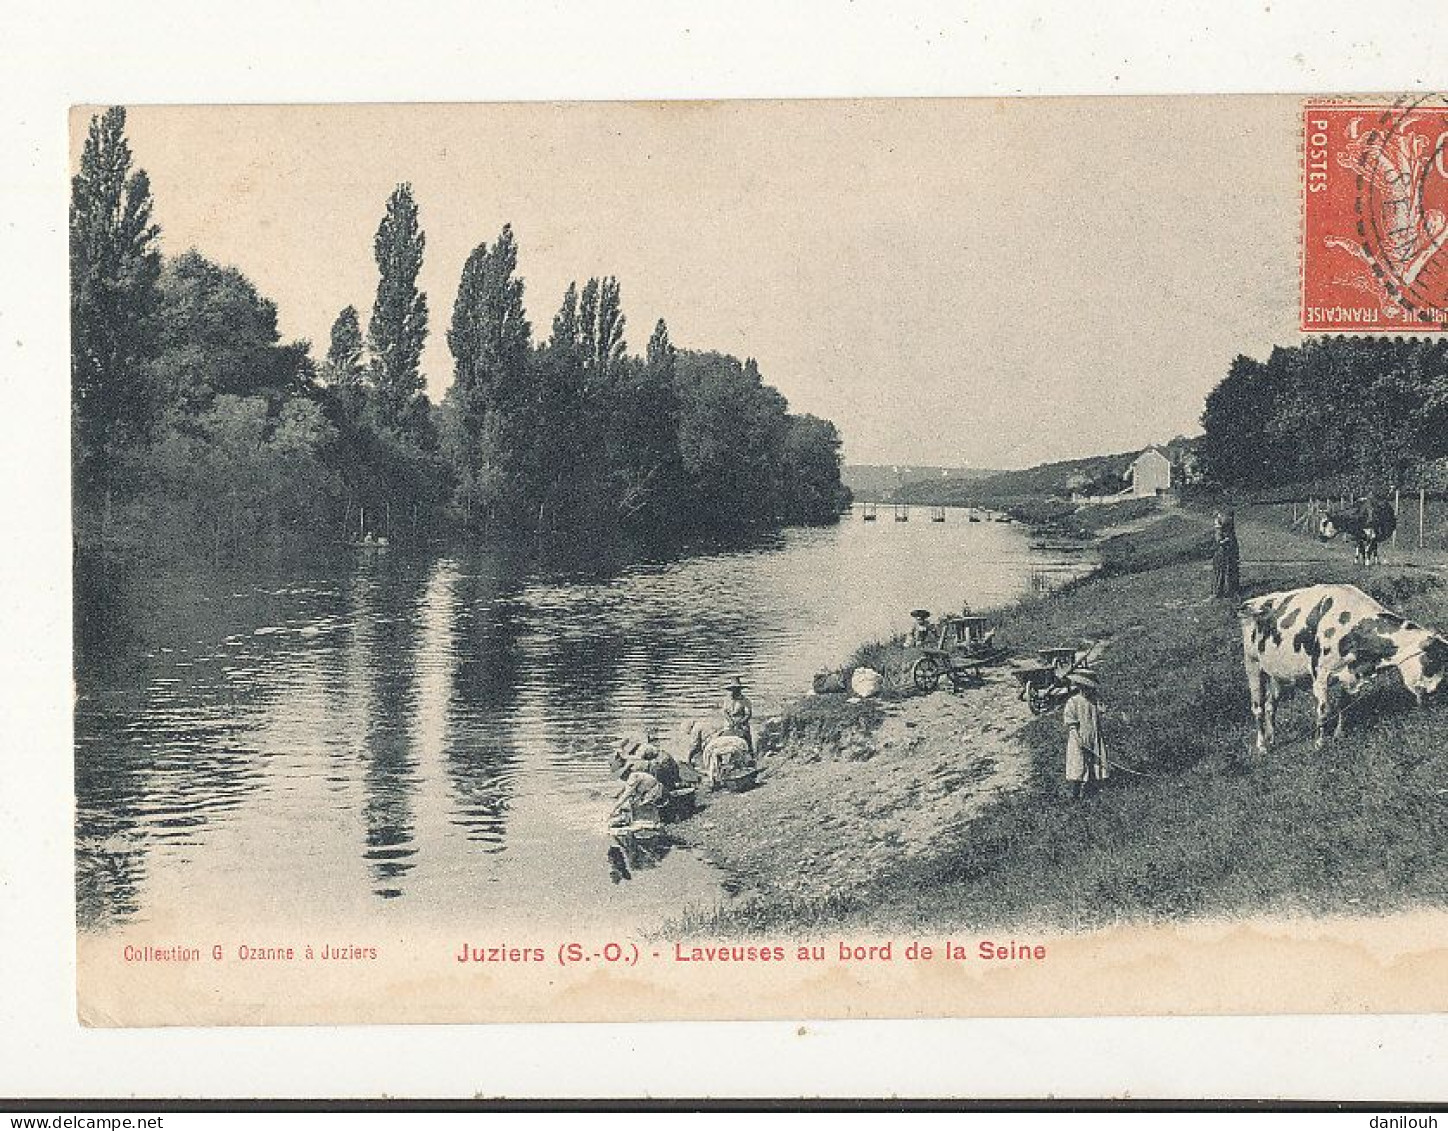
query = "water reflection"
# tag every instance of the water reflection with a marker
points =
(149, 782)
(481, 755)
(629, 854)
(422, 733)
(386, 662)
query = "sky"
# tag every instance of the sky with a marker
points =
(986, 282)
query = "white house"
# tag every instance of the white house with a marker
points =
(1150, 473)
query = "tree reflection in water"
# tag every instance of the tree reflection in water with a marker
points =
(308, 737)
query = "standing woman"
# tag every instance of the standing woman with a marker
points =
(1226, 556)
(737, 712)
(1085, 744)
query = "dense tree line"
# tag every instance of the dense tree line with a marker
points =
(1334, 414)
(194, 422)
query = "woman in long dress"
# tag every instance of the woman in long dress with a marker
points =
(1085, 744)
(1226, 556)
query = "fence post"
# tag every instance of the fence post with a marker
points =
(1422, 507)
(1397, 510)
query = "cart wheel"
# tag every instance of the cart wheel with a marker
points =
(924, 674)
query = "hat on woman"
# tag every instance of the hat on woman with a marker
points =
(1084, 677)
(920, 614)
(735, 684)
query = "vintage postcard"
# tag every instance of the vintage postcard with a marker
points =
(743, 560)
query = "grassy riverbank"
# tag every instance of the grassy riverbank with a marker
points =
(948, 811)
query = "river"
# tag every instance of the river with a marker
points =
(403, 738)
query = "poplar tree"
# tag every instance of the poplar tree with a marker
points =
(565, 323)
(659, 353)
(562, 434)
(344, 355)
(490, 335)
(649, 470)
(588, 327)
(492, 400)
(608, 343)
(602, 367)
(398, 327)
(115, 261)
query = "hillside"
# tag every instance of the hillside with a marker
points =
(1046, 479)
(883, 482)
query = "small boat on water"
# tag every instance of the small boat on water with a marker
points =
(902, 512)
(937, 514)
(867, 512)
(365, 539)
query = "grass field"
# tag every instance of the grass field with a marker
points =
(1209, 825)
(1206, 825)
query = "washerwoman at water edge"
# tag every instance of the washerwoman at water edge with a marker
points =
(738, 712)
(646, 754)
(640, 798)
(1085, 742)
(637, 812)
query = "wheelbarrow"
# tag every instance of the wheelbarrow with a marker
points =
(934, 665)
(1060, 659)
(1042, 687)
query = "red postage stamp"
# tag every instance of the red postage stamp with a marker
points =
(1375, 217)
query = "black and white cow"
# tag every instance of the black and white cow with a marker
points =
(1368, 523)
(1336, 638)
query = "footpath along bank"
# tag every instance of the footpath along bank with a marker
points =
(946, 811)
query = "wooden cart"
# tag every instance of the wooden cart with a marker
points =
(956, 648)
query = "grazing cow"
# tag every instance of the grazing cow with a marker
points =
(1367, 522)
(1337, 638)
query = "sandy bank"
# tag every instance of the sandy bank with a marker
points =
(854, 795)
(838, 809)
